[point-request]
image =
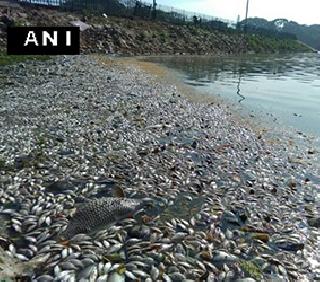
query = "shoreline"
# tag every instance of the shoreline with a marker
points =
(175, 77)
(258, 122)
(222, 195)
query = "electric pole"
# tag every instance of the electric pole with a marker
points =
(247, 9)
(154, 9)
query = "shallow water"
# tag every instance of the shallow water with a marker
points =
(282, 88)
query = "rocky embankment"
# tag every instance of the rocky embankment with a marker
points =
(224, 203)
(136, 37)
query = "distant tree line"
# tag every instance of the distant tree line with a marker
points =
(309, 34)
(252, 29)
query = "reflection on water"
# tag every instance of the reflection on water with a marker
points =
(239, 90)
(285, 86)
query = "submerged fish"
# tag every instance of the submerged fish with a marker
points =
(100, 212)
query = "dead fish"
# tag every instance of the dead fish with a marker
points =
(99, 212)
(118, 192)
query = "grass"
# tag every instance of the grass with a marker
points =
(261, 44)
(14, 59)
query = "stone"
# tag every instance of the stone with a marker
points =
(23, 15)
(83, 26)
(2, 26)
(98, 26)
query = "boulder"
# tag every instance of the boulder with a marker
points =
(22, 15)
(7, 20)
(83, 26)
(98, 26)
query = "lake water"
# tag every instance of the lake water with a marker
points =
(282, 88)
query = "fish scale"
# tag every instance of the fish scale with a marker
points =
(99, 212)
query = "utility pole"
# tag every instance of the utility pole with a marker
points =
(238, 23)
(154, 9)
(246, 23)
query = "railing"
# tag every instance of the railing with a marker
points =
(133, 8)
(188, 16)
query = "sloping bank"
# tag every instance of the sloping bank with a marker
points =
(139, 37)
(224, 203)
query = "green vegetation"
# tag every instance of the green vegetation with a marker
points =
(19, 23)
(163, 35)
(309, 34)
(13, 59)
(145, 35)
(41, 140)
(262, 44)
(251, 269)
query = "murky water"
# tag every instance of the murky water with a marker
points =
(284, 88)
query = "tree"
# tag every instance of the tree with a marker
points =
(195, 20)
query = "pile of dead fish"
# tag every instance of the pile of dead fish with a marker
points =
(207, 198)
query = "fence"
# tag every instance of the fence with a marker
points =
(133, 8)
(171, 13)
